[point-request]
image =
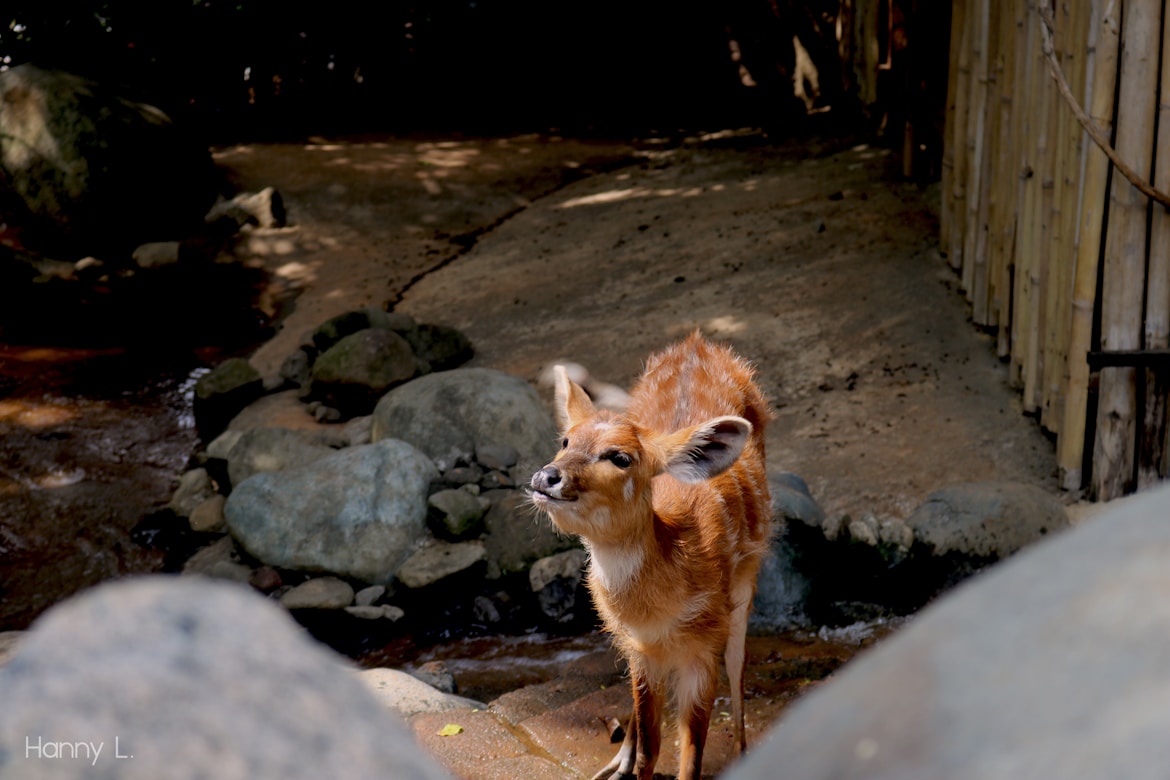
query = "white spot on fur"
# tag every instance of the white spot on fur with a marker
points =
(628, 489)
(650, 633)
(615, 568)
(690, 683)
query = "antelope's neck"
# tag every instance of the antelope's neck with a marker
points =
(623, 566)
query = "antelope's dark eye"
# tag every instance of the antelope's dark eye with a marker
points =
(564, 442)
(619, 459)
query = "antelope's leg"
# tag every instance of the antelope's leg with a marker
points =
(639, 750)
(696, 697)
(735, 659)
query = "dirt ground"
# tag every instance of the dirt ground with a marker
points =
(815, 262)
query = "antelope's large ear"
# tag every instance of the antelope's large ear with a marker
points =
(706, 450)
(573, 404)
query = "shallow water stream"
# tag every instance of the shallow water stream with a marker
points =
(90, 441)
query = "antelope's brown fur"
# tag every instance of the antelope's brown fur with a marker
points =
(675, 536)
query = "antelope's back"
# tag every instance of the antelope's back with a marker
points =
(687, 384)
(693, 381)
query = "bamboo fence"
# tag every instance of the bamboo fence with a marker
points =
(1058, 251)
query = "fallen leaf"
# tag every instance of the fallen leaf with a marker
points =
(450, 730)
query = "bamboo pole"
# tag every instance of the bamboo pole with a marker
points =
(1048, 240)
(1125, 256)
(846, 21)
(866, 29)
(1154, 441)
(1005, 287)
(993, 151)
(1106, 21)
(958, 192)
(1032, 224)
(1066, 196)
(1005, 186)
(975, 236)
(946, 208)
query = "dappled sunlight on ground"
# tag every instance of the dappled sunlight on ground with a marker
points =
(31, 414)
(367, 215)
(816, 266)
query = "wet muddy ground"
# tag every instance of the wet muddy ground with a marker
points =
(89, 442)
(95, 417)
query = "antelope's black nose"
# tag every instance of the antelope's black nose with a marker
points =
(547, 478)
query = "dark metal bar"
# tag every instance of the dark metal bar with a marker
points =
(1157, 359)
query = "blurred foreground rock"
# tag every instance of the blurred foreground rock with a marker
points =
(193, 679)
(1052, 664)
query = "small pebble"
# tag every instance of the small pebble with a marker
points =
(496, 457)
(485, 610)
(320, 593)
(227, 570)
(496, 479)
(437, 675)
(265, 579)
(367, 596)
(463, 475)
(326, 414)
(208, 516)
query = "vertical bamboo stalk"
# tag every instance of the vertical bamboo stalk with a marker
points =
(958, 192)
(866, 31)
(1067, 179)
(946, 208)
(1005, 186)
(1106, 21)
(992, 172)
(1049, 240)
(1005, 287)
(1125, 255)
(846, 22)
(1155, 434)
(1031, 228)
(977, 173)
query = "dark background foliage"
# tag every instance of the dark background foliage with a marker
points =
(251, 69)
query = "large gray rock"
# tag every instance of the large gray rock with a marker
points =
(459, 409)
(456, 514)
(357, 512)
(1052, 664)
(557, 582)
(781, 589)
(195, 487)
(273, 449)
(264, 209)
(792, 500)
(408, 695)
(439, 560)
(193, 679)
(442, 348)
(358, 370)
(989, 520)
(517, 535)
(87, 171)
(223, 392)
(333, 330)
